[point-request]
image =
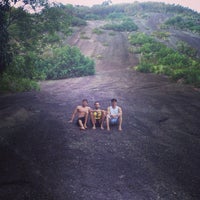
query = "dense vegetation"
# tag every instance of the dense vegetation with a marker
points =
(183, 22)
(120, 10)
(35, 50)
(125, 25)
(5, 55)
(158, 58)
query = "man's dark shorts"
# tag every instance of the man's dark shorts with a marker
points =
(98, 123)
(82, 119)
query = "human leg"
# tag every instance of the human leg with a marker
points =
(108, 123)
(93, 120)
(120, 123)
(102, 120)
(80, 123)
(85, 122)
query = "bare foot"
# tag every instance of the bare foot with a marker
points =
(120, 129)
(102, 128)
(108, 129)
(82, 128)
(85, 126)
(94, 127)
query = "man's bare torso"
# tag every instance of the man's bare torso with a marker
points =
(82, 111)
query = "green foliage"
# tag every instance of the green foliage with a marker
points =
(36, 45)
(97, 31)
(112, 33)
(5, 53)
(66, 62)
(139, 39)
(24, 66)
(161, 35)
(12, 83)
(184, 48)
(136, 8)
(51, 38)
(54, 19)
(158, 58)
(125, 25)
(83, 36)
(105, 44)
(76, 21)
(185, 22)
(116, 15)
(92, 17)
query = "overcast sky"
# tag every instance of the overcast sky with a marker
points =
(193, 4)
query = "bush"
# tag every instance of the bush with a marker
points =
(184, 48)
(158, 58)
(139, 38)
(144, 67)
(126, 25)
(78, 22)
(14, 84)
(92, 17)
(51, 38)
(161, 35)
(97, 31)
(66, 62)
(184, 22)
(116, 15)
(24, 66)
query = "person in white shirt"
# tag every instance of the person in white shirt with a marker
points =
(114, 115)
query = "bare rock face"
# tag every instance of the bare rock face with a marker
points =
(156, 156)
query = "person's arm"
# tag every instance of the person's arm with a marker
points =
(90, 110)
(120, 111)
(73, 115)
(108, 112)
(104, 112)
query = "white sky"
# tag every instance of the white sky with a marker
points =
(193, 4)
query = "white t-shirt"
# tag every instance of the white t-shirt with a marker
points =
(114, 111)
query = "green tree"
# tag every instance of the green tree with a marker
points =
(5, 54)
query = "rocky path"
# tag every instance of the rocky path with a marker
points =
(155, 157)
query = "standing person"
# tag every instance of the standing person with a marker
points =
(114, 115)
(82, 112)
(97, 116)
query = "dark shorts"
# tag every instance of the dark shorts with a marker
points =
(82, 119)
(98, 123)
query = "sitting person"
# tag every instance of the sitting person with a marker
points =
(114, 115)
(82, 112)
(97, 116)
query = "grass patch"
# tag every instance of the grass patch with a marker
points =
(105, 44)
(112, 34)
(83, 36)
(125, 25)
(97, 31)
(161, 35)
(99, 57)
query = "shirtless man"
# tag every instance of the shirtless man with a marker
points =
(82, 112)
(114, 115)
(97, 116)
